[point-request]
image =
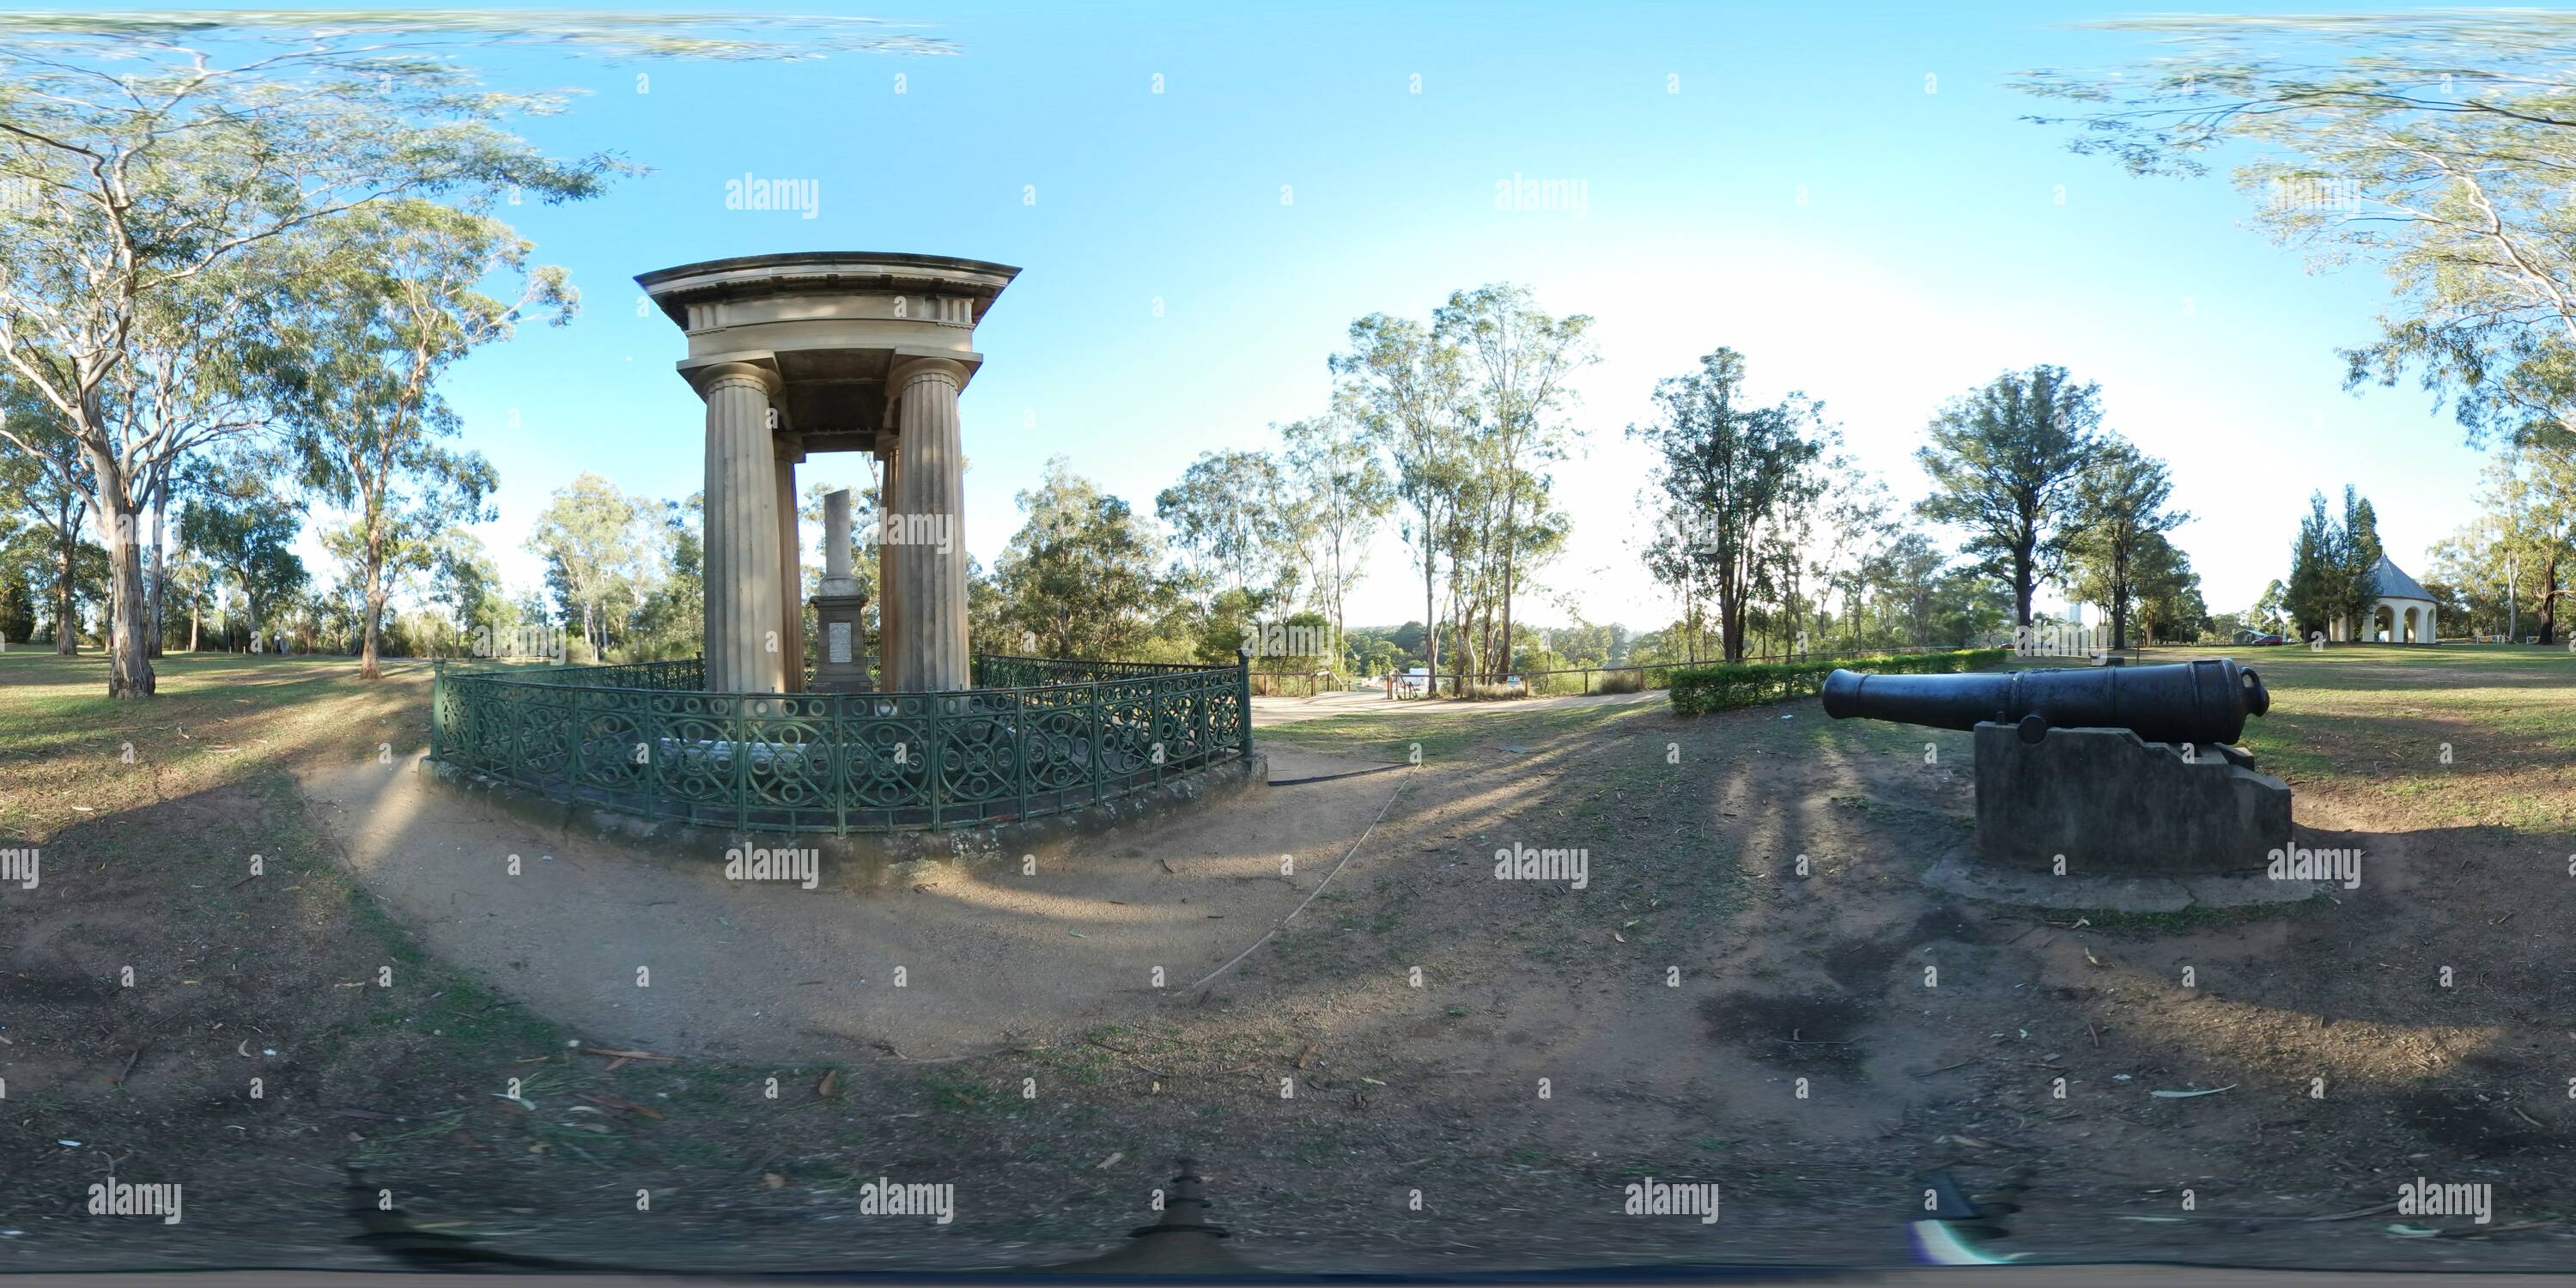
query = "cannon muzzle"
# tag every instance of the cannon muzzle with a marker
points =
(2200, 702)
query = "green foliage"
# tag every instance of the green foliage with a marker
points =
(386, 301)
(204, 179)
(587, 536)
(2431, 143)
(2507, 566)
(2004, 461)
(2332, 563)
(2118, 525)
(1079, 579)
(239, 526)
(1736, 482)
(1697, 690)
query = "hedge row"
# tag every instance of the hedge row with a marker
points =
(1701, 689)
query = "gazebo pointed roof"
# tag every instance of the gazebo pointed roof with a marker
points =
(2391, 582)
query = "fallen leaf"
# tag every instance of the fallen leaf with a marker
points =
(773, 1180)
(830, 1086)
(2186, 1095)
(1106, 1162)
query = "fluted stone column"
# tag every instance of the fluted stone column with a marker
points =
(741, 534)
(791, 568)
(929, 583)
(889, 637)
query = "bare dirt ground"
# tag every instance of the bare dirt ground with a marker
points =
(961, 960)
(1557, 1043)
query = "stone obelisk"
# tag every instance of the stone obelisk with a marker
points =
(839, 608)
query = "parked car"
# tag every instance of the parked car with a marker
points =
(2259, 639)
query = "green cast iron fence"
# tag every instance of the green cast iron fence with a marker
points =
(1037, 736)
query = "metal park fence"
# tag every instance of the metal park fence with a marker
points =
(1036, 736)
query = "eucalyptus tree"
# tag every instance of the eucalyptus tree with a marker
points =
(1228, 514)
(2436, 147)
(587, 537)
(1735, 477)
(2004, 459)
(389, 300)
(150, 164)
(1080, 575)
(237, 524)
(1337, 492)
(2120, 510)
(1519, 361)
(1407, 389)
(46, 481)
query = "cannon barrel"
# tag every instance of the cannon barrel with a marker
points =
(2202, 702)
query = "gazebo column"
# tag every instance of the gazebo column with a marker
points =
(743, 587)
(791, 568)
(889, 635)
(928, 585)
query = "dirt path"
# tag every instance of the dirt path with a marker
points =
(963, 961)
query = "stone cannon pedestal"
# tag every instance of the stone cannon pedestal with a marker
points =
(2118, 806)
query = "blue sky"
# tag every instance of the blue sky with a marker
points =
(1843, 193)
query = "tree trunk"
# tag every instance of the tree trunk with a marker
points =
(2022, 588)
(1511, 500)
(129, 670)
(193, 616)
(66, 636)
(2549, 601)
(1430, 622)
(367, 669)
(160, 573)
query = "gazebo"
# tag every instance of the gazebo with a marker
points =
(832, 351)
(2401, 611)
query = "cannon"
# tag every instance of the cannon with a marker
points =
(2203, 702)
